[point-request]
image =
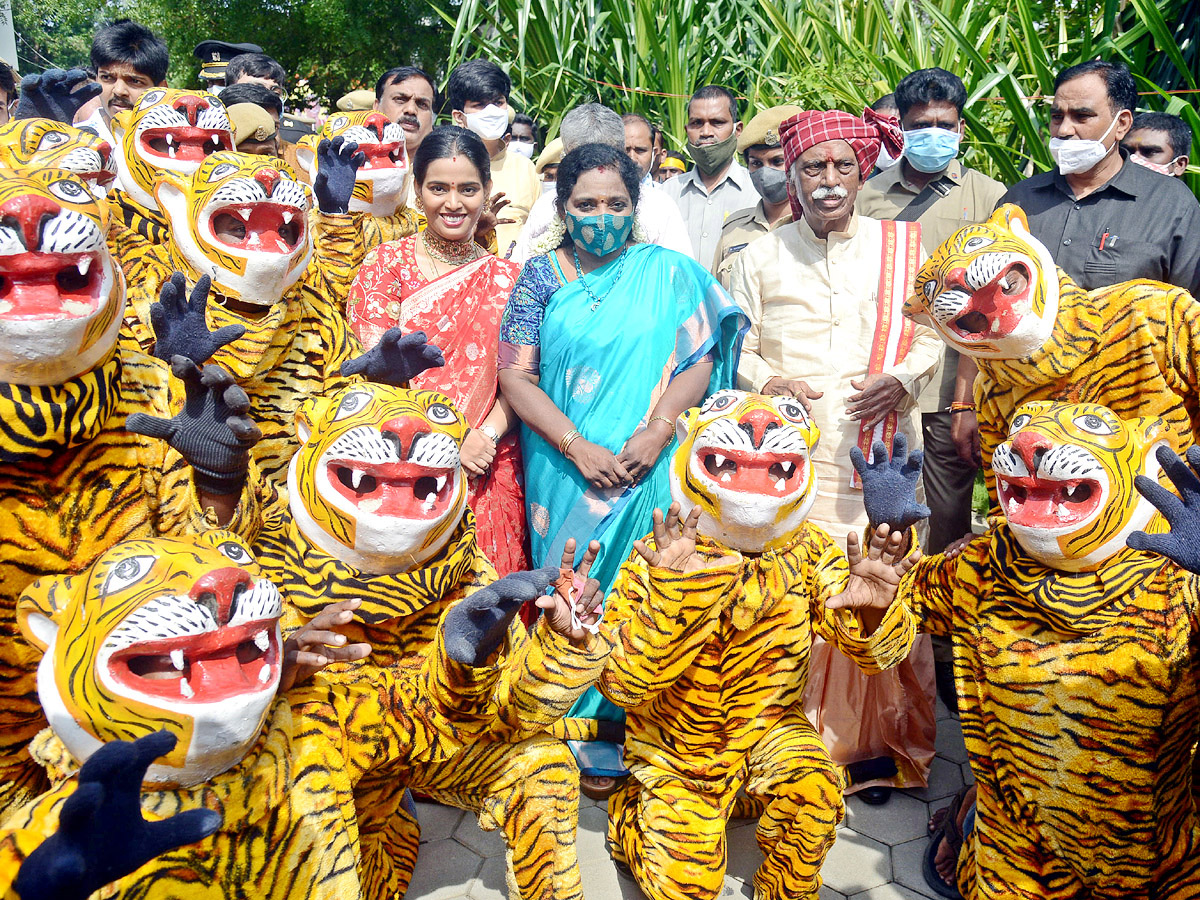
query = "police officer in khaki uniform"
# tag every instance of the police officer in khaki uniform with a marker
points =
(763, 155)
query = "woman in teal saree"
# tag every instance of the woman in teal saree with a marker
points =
(604, 342)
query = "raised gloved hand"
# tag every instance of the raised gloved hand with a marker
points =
(1182, 543)
(397, 359)
(212, 432)
(476, 625)
(55, 94)
(101, 833)
(338, 162)
(890, 485)
(180, 326)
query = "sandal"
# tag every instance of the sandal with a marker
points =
(947, 830)
(599, 787)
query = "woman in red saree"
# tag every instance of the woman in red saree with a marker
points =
(441, 282)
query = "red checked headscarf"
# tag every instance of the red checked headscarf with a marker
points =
(865, 136)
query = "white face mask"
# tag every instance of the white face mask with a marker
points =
(1160, 168)
(885, 160)
(489, 123)
(521, 148)
(1079, 155)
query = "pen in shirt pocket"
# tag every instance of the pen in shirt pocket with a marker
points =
(1107, 239)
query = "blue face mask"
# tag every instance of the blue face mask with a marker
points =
(599, 235)
(930, 149)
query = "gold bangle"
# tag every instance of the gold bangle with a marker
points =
(565, 441)
(670, 424)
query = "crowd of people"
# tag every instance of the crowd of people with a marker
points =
(497, 470)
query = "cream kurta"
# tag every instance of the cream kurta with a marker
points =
(812, 308)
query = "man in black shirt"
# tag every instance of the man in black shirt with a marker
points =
(1104, 219)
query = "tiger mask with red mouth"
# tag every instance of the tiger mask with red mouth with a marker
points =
(167, 131)
(159, 633)
(377, 482)
(1065, 480)
(745, 461)
(381, 183)
(61, 299)
(991, 290)
(242, 220)
(47, 144)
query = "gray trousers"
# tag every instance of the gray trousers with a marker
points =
(948, 484)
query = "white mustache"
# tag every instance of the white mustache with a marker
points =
(836, 191)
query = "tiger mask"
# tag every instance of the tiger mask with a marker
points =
(377, 481)
(167, 131)
(243, 221)
(1065, 481)
(991, 290)
(159, 633)
(61, 298)
(47, 144)
(381, 183)
(744, 460)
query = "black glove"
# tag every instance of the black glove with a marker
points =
(101, 833)
(213, 432)
(890, 486)
(180, 326)
(397, 359)
(53, 95)
(338, 162)
(476, 625)
(1182, 543)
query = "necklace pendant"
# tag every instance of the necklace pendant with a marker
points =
(595, 306)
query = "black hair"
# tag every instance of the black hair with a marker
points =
(930, 86)
(1121, 88)
(256, 65)
(887, 101)
(1179, 132)
(476, 81)
(125, 41)
(252, 92)
(655, 131)
(592, 156)
(523, 119)
(450, 140)
(403, 73)
(674, 154)
(8, 80)
(716, 92)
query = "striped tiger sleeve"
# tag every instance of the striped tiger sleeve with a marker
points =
(657, 621)
(338, 251)
(883, 648)
(542, 679)
(928, 589)
(1182, 346)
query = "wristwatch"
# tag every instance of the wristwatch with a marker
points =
(490, 433)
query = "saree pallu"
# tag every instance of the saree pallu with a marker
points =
(605, 365)
(459, 312)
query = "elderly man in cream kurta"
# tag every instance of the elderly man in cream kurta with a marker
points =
(824, 297)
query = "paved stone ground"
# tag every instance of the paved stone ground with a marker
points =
(877, 855)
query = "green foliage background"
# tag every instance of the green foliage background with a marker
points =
(648, 55)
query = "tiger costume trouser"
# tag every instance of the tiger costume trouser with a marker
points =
(671, 833)
(529, 790)
(1006, 859)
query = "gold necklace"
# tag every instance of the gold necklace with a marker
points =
(452, 253)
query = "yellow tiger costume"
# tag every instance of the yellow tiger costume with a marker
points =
(711, 664)
(1076, 661)
(993, 292)
(377, 511)
(73, 481)
(184, 635)
(167, 130)
(296, 337)
(47, 144)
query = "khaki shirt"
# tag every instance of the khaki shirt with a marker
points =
(972, 199)
(740, 229)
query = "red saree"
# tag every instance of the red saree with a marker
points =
(460, 312)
